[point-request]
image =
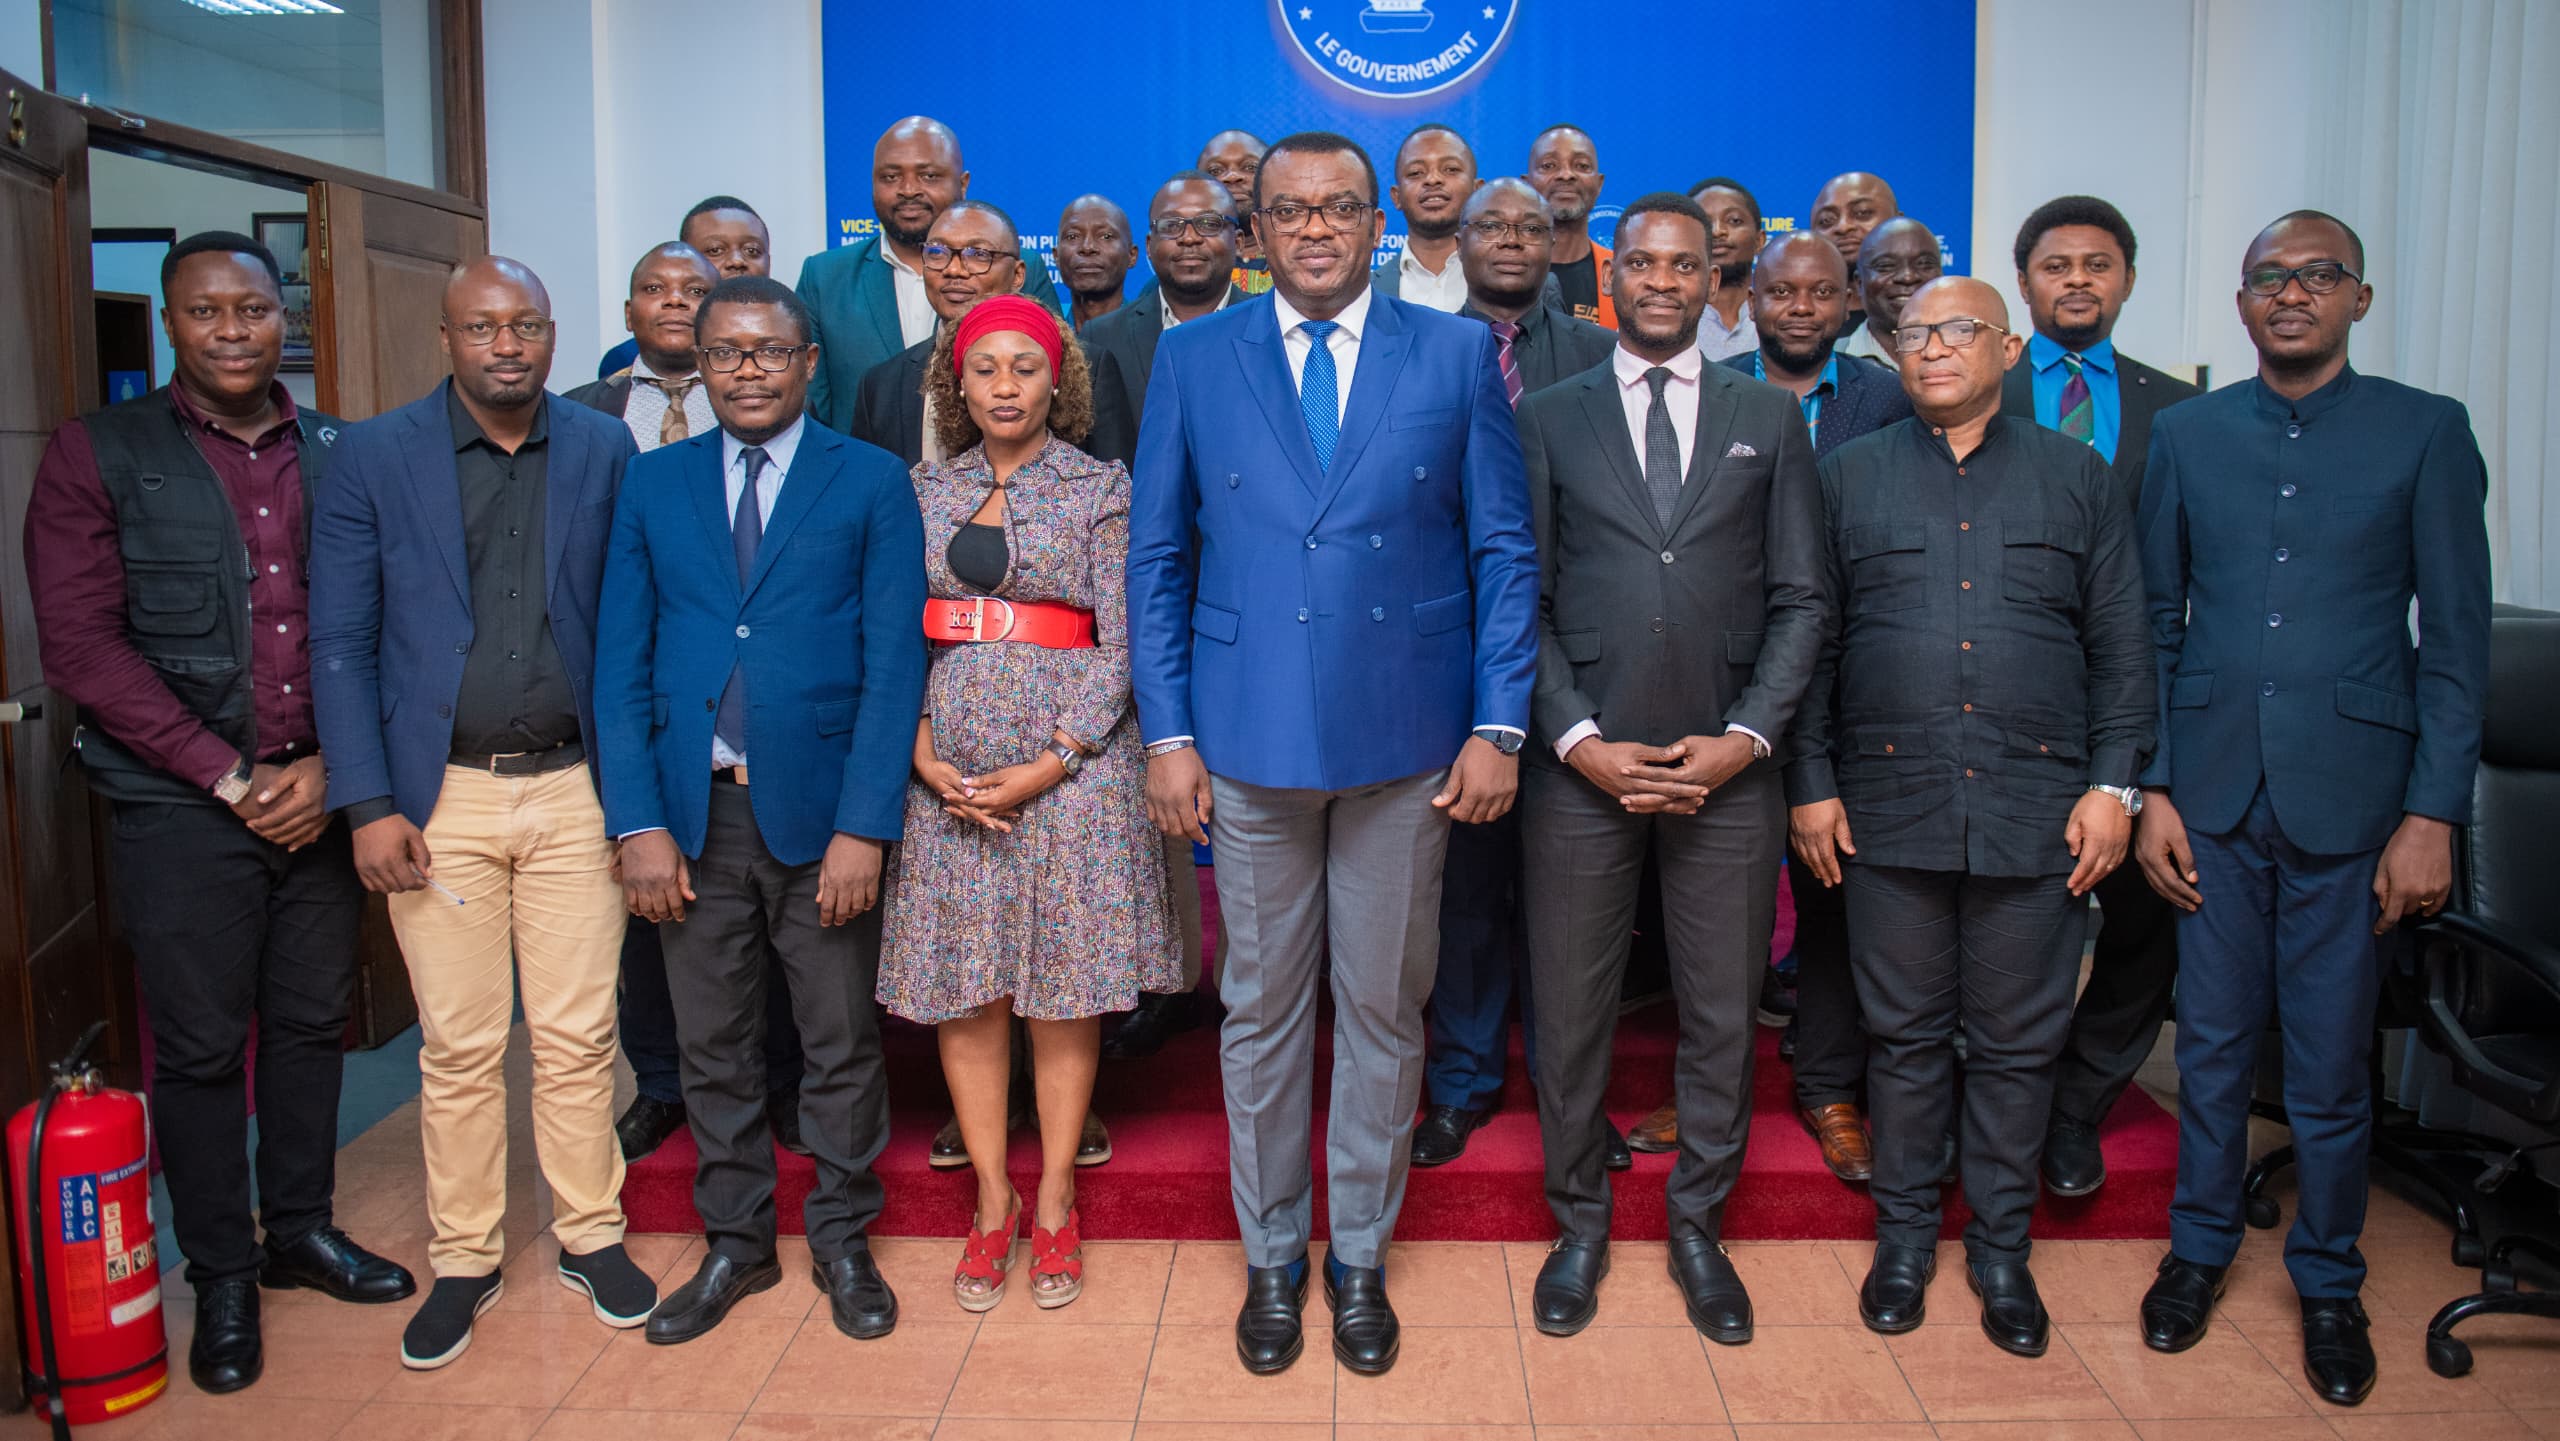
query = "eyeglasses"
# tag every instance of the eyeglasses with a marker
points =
(531, 329)
(1957, 333)
(2319, 277)
(770, 358)
(1338, 215)
(1532, 232)
(1207, 227)
(972, 259)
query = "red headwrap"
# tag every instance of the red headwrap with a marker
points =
(999, 313)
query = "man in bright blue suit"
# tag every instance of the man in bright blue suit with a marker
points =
(1332, 611)
(762, 603)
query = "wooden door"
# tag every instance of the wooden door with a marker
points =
(379, 264)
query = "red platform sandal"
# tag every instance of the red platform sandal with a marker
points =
(977, 1283)
(1057, 1263)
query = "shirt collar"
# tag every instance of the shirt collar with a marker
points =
(2044, 353)
(889, 253)
(286, 414)
(1407, 264)
(1529, 322)
(1164, 313)
(467, 432)
(2316, 403)
(1630, 367)
(778, 450)
(1354, 318)
(641, 370)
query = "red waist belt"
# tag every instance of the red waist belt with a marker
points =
(987, 618)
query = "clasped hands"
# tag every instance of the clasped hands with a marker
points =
(993, 799)
(1662, 780)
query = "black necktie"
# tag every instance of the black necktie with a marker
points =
(1661, 449)
(746, 532)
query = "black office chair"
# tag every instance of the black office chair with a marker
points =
(2490, 967)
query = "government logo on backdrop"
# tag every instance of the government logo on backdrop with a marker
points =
(1397, 49)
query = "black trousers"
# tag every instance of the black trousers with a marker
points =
(2001, 954)
(647, 1022)
(749, 904)
(1831, 1036)
(1585, 854)
(228, 932)
(2133, 969)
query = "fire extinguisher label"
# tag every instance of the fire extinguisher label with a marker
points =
(79, 1209)
(113, 1279)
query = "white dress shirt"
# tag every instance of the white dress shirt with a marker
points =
(1344, 342)
(915, 313)
(645, 411)
(1635, 396)
(1443, 292)
(1164, 312)
(733, 480)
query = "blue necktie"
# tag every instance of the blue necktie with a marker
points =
(746, 531)
(1317, 392)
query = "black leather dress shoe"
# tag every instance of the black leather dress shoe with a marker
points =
(2337, 1350)
(1616, 1157)
(864, 1306)
(225, 1354)
(2180, 1302)
(782, 1112)
(1365, 1333)
(1711, 1289)
(1895, 1295)
(703, 1302)
(1268, 1334)
(1441, 1135)
(646, 1125)
(948, 1152)
(1157, 1019)
(1567, 1295)
(326, 1260)
(2012, 1313)
(2073, 1163)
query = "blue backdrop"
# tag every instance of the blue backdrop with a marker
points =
(1053, 100)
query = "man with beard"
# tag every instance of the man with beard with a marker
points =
(1679, 535)
(1964, 765)
(1332, 661)
(1733, 242)
(1896, 258)
(788, 647)
(870, 299)
(1565, 168)
(1503, 252)
(1094, 251)
(723, 230)
(1435, 173)
(2075, 270)
(473, 801)
(1845, 209)
(1232, 157)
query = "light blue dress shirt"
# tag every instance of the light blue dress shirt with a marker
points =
(2106, 402)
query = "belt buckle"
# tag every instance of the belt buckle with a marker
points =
(495, 757)
(978, 618)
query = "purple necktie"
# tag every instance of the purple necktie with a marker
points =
(1506, 332)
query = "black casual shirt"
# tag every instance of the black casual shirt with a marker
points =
(515, 691)
(1990, 659)
(1580, 282)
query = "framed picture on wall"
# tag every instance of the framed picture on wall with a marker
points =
(297, 326)
(288, 234)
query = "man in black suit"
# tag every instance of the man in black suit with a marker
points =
(1503, 256)
(1679, 539)
(2075, 270)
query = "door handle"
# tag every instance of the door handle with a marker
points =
(12, 712)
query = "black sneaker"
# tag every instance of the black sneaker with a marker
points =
(441, 1331)
(647, 1125)
(621, 1292)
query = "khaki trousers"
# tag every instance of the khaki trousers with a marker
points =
(529, 856)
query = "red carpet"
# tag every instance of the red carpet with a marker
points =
(1168, 1177)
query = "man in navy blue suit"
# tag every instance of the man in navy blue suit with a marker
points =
(2312, 762)
(762, 605)
(1332, 602)
(456, 556)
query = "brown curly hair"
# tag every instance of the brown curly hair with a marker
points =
(1070, 402)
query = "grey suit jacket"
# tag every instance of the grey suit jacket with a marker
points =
(1129, 335)
(2141, 391)
(1659, 634)
(1869, 399)
(1554, 344)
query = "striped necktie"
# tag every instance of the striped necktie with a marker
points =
(1505, 334)
(2079, 413)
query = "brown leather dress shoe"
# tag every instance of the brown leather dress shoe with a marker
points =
(1843, 1134)
(1657, 1132)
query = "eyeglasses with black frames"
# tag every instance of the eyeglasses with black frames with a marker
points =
(1957, 333)
(2318, 278)
(967, 260)
(1531, 232)
(1207, 227)
(1339, 215)
(772, 359)
(531, 329)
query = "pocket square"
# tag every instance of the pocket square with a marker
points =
(1738, 450)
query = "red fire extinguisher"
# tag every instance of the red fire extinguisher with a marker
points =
(95, 1343)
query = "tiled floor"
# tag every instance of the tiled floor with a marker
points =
(1148, 1353)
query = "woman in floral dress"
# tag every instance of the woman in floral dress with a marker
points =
(1030, 882)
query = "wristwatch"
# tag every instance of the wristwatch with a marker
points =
(233, 787)
(1507, 742)
(2130, 797)
(1166, 748)
(1070, 759)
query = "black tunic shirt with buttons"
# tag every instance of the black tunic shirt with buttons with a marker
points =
(1989, 660)
(515, 692)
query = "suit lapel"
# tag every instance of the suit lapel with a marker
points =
(1716, 407)
(2018, 389)
(813, 468)
(437, 483)
(711, 501)
(562, 472)
(1265, 361)
(876, 298)
(1607, 417)
(1382, 356)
